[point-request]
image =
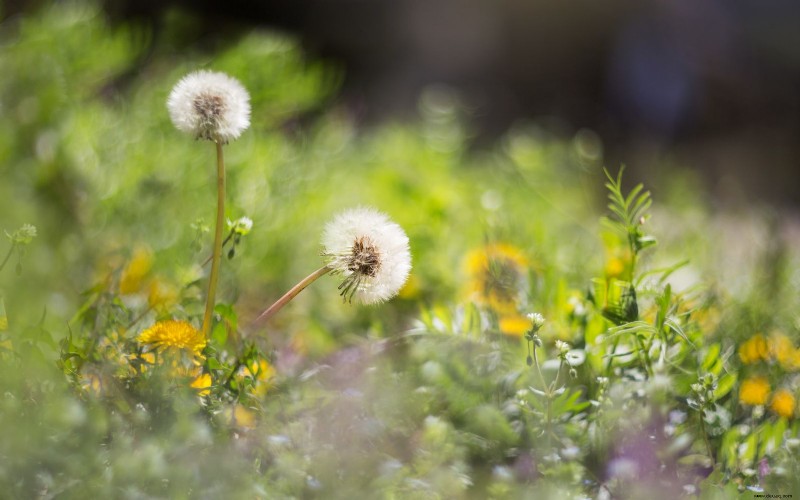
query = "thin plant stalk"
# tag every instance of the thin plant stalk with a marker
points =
(224, 242)
(292, 293)
(8, 255)
(217, 253)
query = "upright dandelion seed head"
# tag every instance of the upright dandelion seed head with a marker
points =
(210, 105)
(370, 252)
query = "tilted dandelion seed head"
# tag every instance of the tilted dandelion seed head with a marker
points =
(210, 105)
(370, 251)
(173, 334)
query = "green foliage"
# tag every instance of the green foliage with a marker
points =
(661, 376)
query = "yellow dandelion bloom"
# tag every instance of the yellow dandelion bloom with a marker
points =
(754, 350)
(754, 391)
(172, 334)
(514, 325)
(618, 256)
(497, 276)
(132, 278)
(781, 349)
(239, 416)
(263, 373)
(91, 383)
(203, 382)
(261, 369)
(615, 266)
(783, 403)
(161, 295)
(148, 357)
(793, 362)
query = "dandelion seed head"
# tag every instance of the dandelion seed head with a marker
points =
(371, 253)
(210, 105)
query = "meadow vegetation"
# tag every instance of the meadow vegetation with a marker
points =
(562, 333)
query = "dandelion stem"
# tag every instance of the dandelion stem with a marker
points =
(8, 255)
(292, 293)
(216, 255)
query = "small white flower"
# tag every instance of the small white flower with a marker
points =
(210, 105)
(537, 321)
(370, 251)
(562, 347)
(241, 226)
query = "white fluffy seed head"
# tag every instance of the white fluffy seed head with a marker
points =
(210, 105)
(371, 253)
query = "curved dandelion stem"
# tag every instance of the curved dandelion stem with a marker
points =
(217, 253)
(292, 293)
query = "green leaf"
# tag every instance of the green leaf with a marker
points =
(219, 334)
(214, 364)
(711, 357)
(725, 384)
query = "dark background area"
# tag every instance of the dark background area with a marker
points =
(713, 86)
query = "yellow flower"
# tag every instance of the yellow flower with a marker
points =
(239, 416)
(203, 382)
(497, 276)
(615, 266)
(132, 279)
(261, 372)
(172, 334)
(161, 295)
(754, 350)
(782, 350)
(148, 357)
(91, 383)
(783, 403)
(793, 362)
(618, 256)
(261, 369)
(754, 391)
(514, 325)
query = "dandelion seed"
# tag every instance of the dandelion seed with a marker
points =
(371, 253)
(210, 105)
